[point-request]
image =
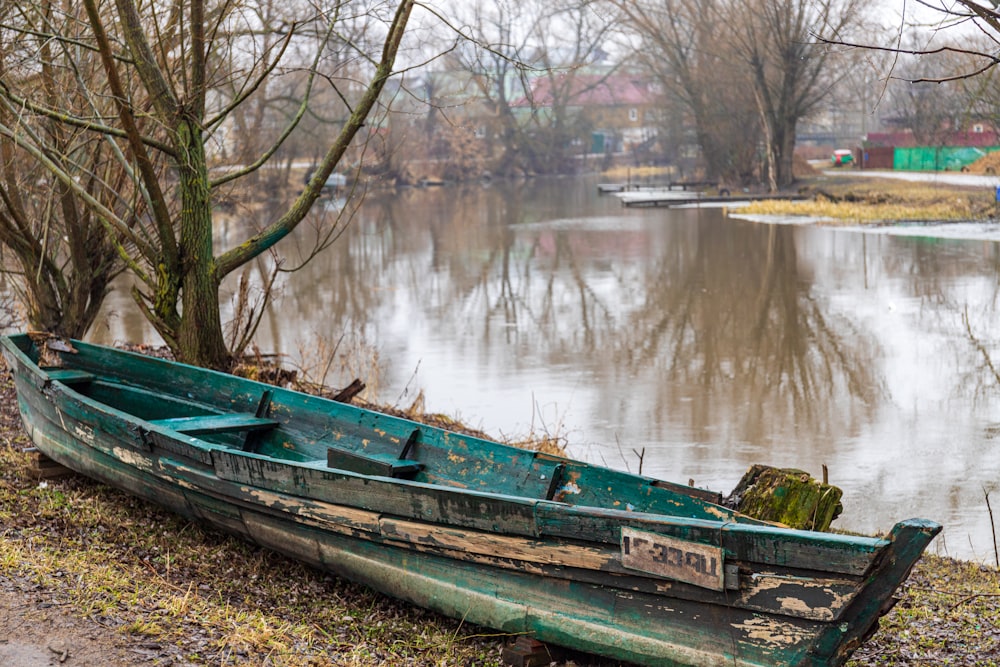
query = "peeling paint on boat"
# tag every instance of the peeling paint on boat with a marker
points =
(769, 632)
(131, 457)
(84, 432)
(802, 607)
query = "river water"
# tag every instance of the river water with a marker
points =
(686, 342)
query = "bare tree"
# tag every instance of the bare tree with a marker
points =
(494, 55)
(441, 128)
(679, 41)
(533, 61)
(63, 257)
(731, 61)
(571, 35)
(787, 66)
(161, 69)
(927, 109)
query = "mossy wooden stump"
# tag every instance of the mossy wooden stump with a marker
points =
(788, 496)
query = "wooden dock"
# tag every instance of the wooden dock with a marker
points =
(673, 198)
(608, 188)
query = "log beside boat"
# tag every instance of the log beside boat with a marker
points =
(573, 554)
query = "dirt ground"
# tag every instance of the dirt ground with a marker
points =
(35, 631)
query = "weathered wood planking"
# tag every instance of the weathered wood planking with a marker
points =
(573, 554)
(785, 592)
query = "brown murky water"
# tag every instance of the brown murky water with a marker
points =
(690, 342)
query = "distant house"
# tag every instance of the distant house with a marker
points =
(454, 123)
(618, 111)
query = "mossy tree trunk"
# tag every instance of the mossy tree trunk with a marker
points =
(200, 337)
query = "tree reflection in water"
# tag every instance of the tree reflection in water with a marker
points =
(738, 337)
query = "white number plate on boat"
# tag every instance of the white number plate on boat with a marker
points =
(690, 562)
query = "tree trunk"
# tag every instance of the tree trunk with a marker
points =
(148, 87)
(786, 155)
(200, 340)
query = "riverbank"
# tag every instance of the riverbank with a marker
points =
(91, 576)
(852, 197)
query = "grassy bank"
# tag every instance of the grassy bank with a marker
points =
(948, 614)
(854, 200)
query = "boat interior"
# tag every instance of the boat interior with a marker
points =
(220, 410)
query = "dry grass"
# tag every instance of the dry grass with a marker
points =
(860, 201)
(988, 164)
(331, 363)
(856, 213)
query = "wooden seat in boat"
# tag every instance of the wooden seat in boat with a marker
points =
(377, 463)
(69, 376)
(230, 423)
(387, 465)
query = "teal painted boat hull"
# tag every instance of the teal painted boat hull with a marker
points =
(598, 560)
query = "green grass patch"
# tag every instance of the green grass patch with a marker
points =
(948, 614)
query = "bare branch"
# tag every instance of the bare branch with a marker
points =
(106, 216)
(267, 238)
(993, 61)
(255, 85)
(75, 121)
(160, 212)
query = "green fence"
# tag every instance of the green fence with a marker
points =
(938, 158)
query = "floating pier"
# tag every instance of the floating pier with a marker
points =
(675, 198)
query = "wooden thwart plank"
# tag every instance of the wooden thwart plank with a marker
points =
(386, 465)
(232, 423)
(69, 375)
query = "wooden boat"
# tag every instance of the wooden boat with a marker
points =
(572, 554)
